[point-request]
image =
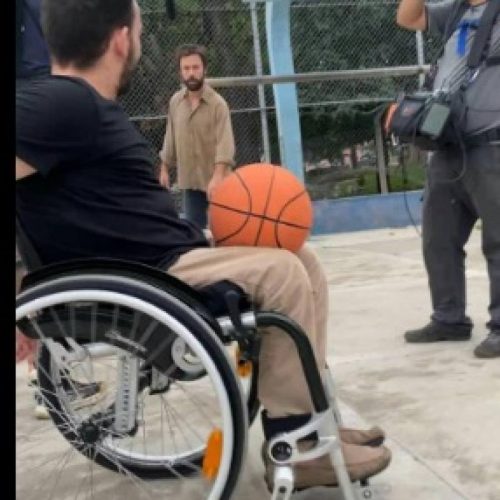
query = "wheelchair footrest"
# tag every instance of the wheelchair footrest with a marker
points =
(283, 482)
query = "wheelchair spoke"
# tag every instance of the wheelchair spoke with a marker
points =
(180, 424)
(58, 322)
(91, 466)
(132, 477)
(148, 332)
(64, 460)
(135, 324)
(182, 421)
(197, 403)
(114, 321)
(164, 408)
(93, 322)
(158, 350)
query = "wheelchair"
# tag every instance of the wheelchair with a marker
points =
(177, 370)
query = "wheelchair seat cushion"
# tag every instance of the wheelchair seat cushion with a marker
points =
(213, 296)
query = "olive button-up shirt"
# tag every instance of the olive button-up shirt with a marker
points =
(196, 140)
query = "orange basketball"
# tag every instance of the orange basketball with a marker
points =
(261, 205)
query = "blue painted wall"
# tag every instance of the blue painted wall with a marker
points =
(367, 212)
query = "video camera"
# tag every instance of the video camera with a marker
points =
(423, 119)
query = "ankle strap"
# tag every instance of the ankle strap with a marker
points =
(278, 425)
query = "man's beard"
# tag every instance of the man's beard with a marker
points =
(127, 73)
(194, 84)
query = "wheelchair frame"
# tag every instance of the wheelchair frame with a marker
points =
(75, 280)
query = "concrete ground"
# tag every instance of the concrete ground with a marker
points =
(439, 406)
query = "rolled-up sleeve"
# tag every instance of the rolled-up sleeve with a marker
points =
(225, 148)
(167, 152)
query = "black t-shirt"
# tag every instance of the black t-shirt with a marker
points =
(95, 193)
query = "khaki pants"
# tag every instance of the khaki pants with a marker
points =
(278, 280)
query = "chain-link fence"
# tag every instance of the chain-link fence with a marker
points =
(337, 117)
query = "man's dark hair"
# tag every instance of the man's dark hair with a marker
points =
(78, 31)
(189, 50)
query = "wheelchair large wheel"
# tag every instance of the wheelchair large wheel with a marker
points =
(112, 387)
(50, 378)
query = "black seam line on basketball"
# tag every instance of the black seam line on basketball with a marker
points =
(266, 206)
(264, 212)
(267, 218)
(238, 176)
(276, 224)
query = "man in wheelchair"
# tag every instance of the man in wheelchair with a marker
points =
(86, 188)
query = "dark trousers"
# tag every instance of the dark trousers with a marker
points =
(451, 208)
(195, 205)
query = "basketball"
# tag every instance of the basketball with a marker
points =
(261, 205)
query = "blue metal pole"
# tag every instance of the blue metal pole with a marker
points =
(285, 94)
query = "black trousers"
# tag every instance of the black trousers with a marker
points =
(454, 199)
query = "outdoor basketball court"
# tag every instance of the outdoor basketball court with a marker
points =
(437, 403)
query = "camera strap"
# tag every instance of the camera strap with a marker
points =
(480, 44)
(459, 9)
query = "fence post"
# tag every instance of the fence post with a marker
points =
(420, 56)
(379, 147)
(260, 87)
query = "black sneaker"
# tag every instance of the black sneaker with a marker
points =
(490, 346)
(435, 332)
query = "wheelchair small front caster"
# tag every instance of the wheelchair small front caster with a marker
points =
(367, 493)
(283, 483)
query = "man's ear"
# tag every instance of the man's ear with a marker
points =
(120, 41)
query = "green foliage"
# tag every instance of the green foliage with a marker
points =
(349, 35)
(339, 183)
(326, 36)
(222, 26)
(342, 182)
(328, 131)
(407, 178)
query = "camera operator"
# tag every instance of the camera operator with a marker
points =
(463, 180)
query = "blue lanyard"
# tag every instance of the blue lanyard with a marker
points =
(463, 28)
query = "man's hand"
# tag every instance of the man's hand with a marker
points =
(163, 179)
(220, 173)
(23, 169)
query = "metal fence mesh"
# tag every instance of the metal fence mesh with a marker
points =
(336, 116)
